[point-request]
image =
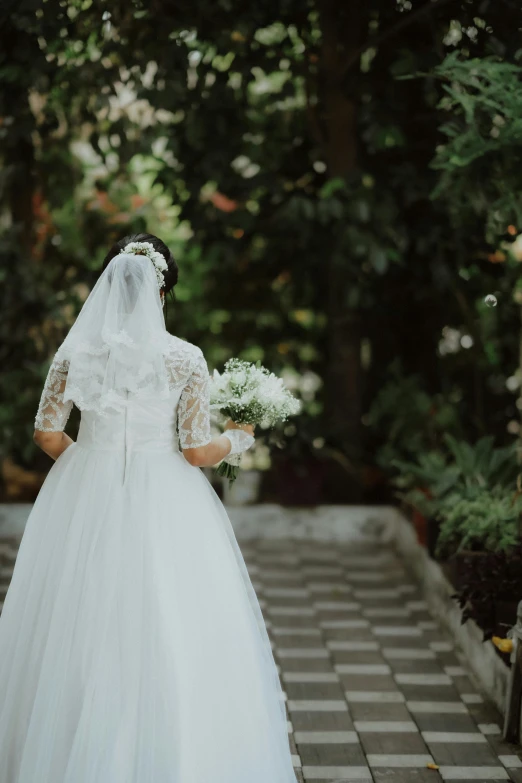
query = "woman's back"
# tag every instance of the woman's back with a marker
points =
(146, 423)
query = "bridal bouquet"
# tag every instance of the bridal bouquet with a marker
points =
(249, 394)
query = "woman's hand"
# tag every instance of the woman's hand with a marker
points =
(218, 448)
(231, 425)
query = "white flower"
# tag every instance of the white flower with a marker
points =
(454, 34)
(147, 249)
(251, 394)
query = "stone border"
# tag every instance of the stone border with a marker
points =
(490, 671)
(316, 523)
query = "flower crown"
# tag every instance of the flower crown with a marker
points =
(146, 249)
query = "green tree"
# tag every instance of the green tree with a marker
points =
(288, 160)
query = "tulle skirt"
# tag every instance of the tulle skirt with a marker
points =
(132, 645)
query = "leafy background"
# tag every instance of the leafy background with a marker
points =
(340, 183)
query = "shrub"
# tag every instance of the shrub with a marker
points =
(485, 520)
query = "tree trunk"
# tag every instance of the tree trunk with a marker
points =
(21, 193)
(18, 151)
(342, 25)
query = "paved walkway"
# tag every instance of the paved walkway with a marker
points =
(375, 689)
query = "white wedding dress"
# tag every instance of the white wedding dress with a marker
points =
(132, 644)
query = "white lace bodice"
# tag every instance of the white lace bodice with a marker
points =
(184, 417)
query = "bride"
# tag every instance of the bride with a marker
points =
(132, 644)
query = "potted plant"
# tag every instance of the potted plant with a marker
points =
(414, 423)
(420, 486)
(481, 533)
(436, 479)
(299, 464)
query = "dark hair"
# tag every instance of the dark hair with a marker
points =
(170, 275)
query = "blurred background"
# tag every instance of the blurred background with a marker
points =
(340, 185)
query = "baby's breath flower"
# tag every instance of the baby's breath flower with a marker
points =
(147, 249)
(250, 394)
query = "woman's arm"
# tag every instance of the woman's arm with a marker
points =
(195, 439)
(53, 443)
(53, 413)
(218, 448)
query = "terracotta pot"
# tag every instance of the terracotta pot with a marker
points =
(299, 483)
(432, 535)
(420, 523)
(426, 536)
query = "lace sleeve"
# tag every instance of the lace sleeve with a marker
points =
(194, 408)
(53, 412)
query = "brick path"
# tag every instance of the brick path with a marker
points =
(375, 689)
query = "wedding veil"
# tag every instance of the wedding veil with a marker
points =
(115, 349)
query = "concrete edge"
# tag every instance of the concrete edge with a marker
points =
(490, 671)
